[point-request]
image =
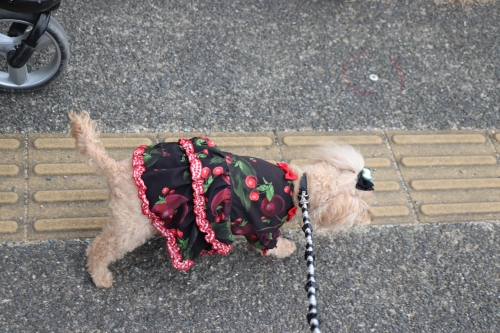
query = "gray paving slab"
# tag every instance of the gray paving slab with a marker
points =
(375, 279)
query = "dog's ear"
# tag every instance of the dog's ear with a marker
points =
(342, 209)
(335, 201)
(340, 156)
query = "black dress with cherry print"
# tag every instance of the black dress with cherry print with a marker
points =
(198, 197)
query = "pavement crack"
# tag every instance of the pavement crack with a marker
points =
(26, 187)
(400, 175)
(277, 141)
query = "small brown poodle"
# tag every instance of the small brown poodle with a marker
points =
(199, 197)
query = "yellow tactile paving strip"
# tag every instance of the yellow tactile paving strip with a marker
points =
(46, 192)
(12, 187)
(451, 176)
(66, 199)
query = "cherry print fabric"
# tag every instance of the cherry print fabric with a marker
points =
(192, 185)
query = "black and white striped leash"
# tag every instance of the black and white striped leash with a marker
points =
(364, 183)
(311, 285)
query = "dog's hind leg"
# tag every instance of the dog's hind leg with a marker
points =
(127, 227)
(110, 246)
(118, 237)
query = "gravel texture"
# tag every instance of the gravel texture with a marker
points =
(253, 65)
(421, 278)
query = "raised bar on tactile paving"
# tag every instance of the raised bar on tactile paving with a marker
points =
(386, 186)
(8, 170)
(461, 208)
(291, 140)
(454, 184)
(69, 143)
(8, 227)
(70, 195)
(70, 224)
(63, 169)
(9, 144)
(227, 141)
(437, 139)
(370, 162)
(374, 162)
(390, 211)
(428, 161)
(8, 197)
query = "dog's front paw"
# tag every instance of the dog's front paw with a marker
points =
(102, 278)
(283, 249)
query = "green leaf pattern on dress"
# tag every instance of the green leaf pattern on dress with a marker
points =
(185, 249)
(151, 155)
(208, 183)
(223, 230)
(268, 188)
(239, 171)
(217, 160)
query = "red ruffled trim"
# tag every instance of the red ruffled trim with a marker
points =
(173, 248)
(289, 175)
(199, 200)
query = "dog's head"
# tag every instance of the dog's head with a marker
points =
(334, 200)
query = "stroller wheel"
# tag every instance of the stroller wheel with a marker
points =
(45, 65)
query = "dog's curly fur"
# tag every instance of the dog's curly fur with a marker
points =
(334, 201)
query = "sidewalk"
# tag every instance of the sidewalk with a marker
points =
(431, 176)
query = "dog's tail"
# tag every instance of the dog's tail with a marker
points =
(86, 134)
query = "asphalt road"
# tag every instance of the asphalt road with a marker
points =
(258, 66)
(250, 65)
(427, 278)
